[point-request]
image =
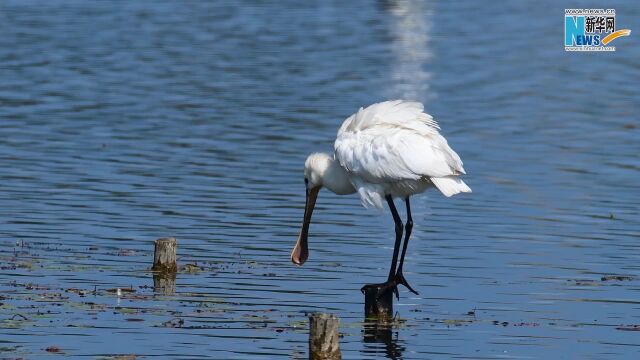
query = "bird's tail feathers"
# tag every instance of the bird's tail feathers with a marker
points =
(450, 185)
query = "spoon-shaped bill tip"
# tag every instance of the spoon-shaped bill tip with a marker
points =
(300, 252)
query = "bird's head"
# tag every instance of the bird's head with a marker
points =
(320, 170)
(315, 169)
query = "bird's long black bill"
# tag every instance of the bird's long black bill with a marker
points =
(300, 252)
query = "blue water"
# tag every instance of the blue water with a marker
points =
(121, 122)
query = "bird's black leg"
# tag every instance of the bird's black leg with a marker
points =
(408, 227)
(396, 248)
(391, 280)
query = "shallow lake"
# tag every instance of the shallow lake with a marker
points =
(122, 122)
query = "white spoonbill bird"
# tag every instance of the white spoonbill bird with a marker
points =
(388, 150)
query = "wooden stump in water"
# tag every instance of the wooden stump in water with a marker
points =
(376, 305)
(164, 256)
(323, 337)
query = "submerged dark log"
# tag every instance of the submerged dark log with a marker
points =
(164, 257)
(378, 305)
(323, 337)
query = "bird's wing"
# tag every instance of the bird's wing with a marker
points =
(394, 140)
(408, 114)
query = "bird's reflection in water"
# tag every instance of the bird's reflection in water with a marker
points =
(410, 29)
(381, 337)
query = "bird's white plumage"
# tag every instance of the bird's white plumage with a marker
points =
(387, 149)
(394, 148)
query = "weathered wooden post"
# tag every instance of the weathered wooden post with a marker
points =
(164, 256)
(165, 265)
(323, 337)
(377, 305)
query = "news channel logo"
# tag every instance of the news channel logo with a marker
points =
(591, 29)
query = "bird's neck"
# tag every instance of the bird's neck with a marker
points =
(336, 179)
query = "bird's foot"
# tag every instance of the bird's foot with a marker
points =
(390, 285)
(402, 281)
